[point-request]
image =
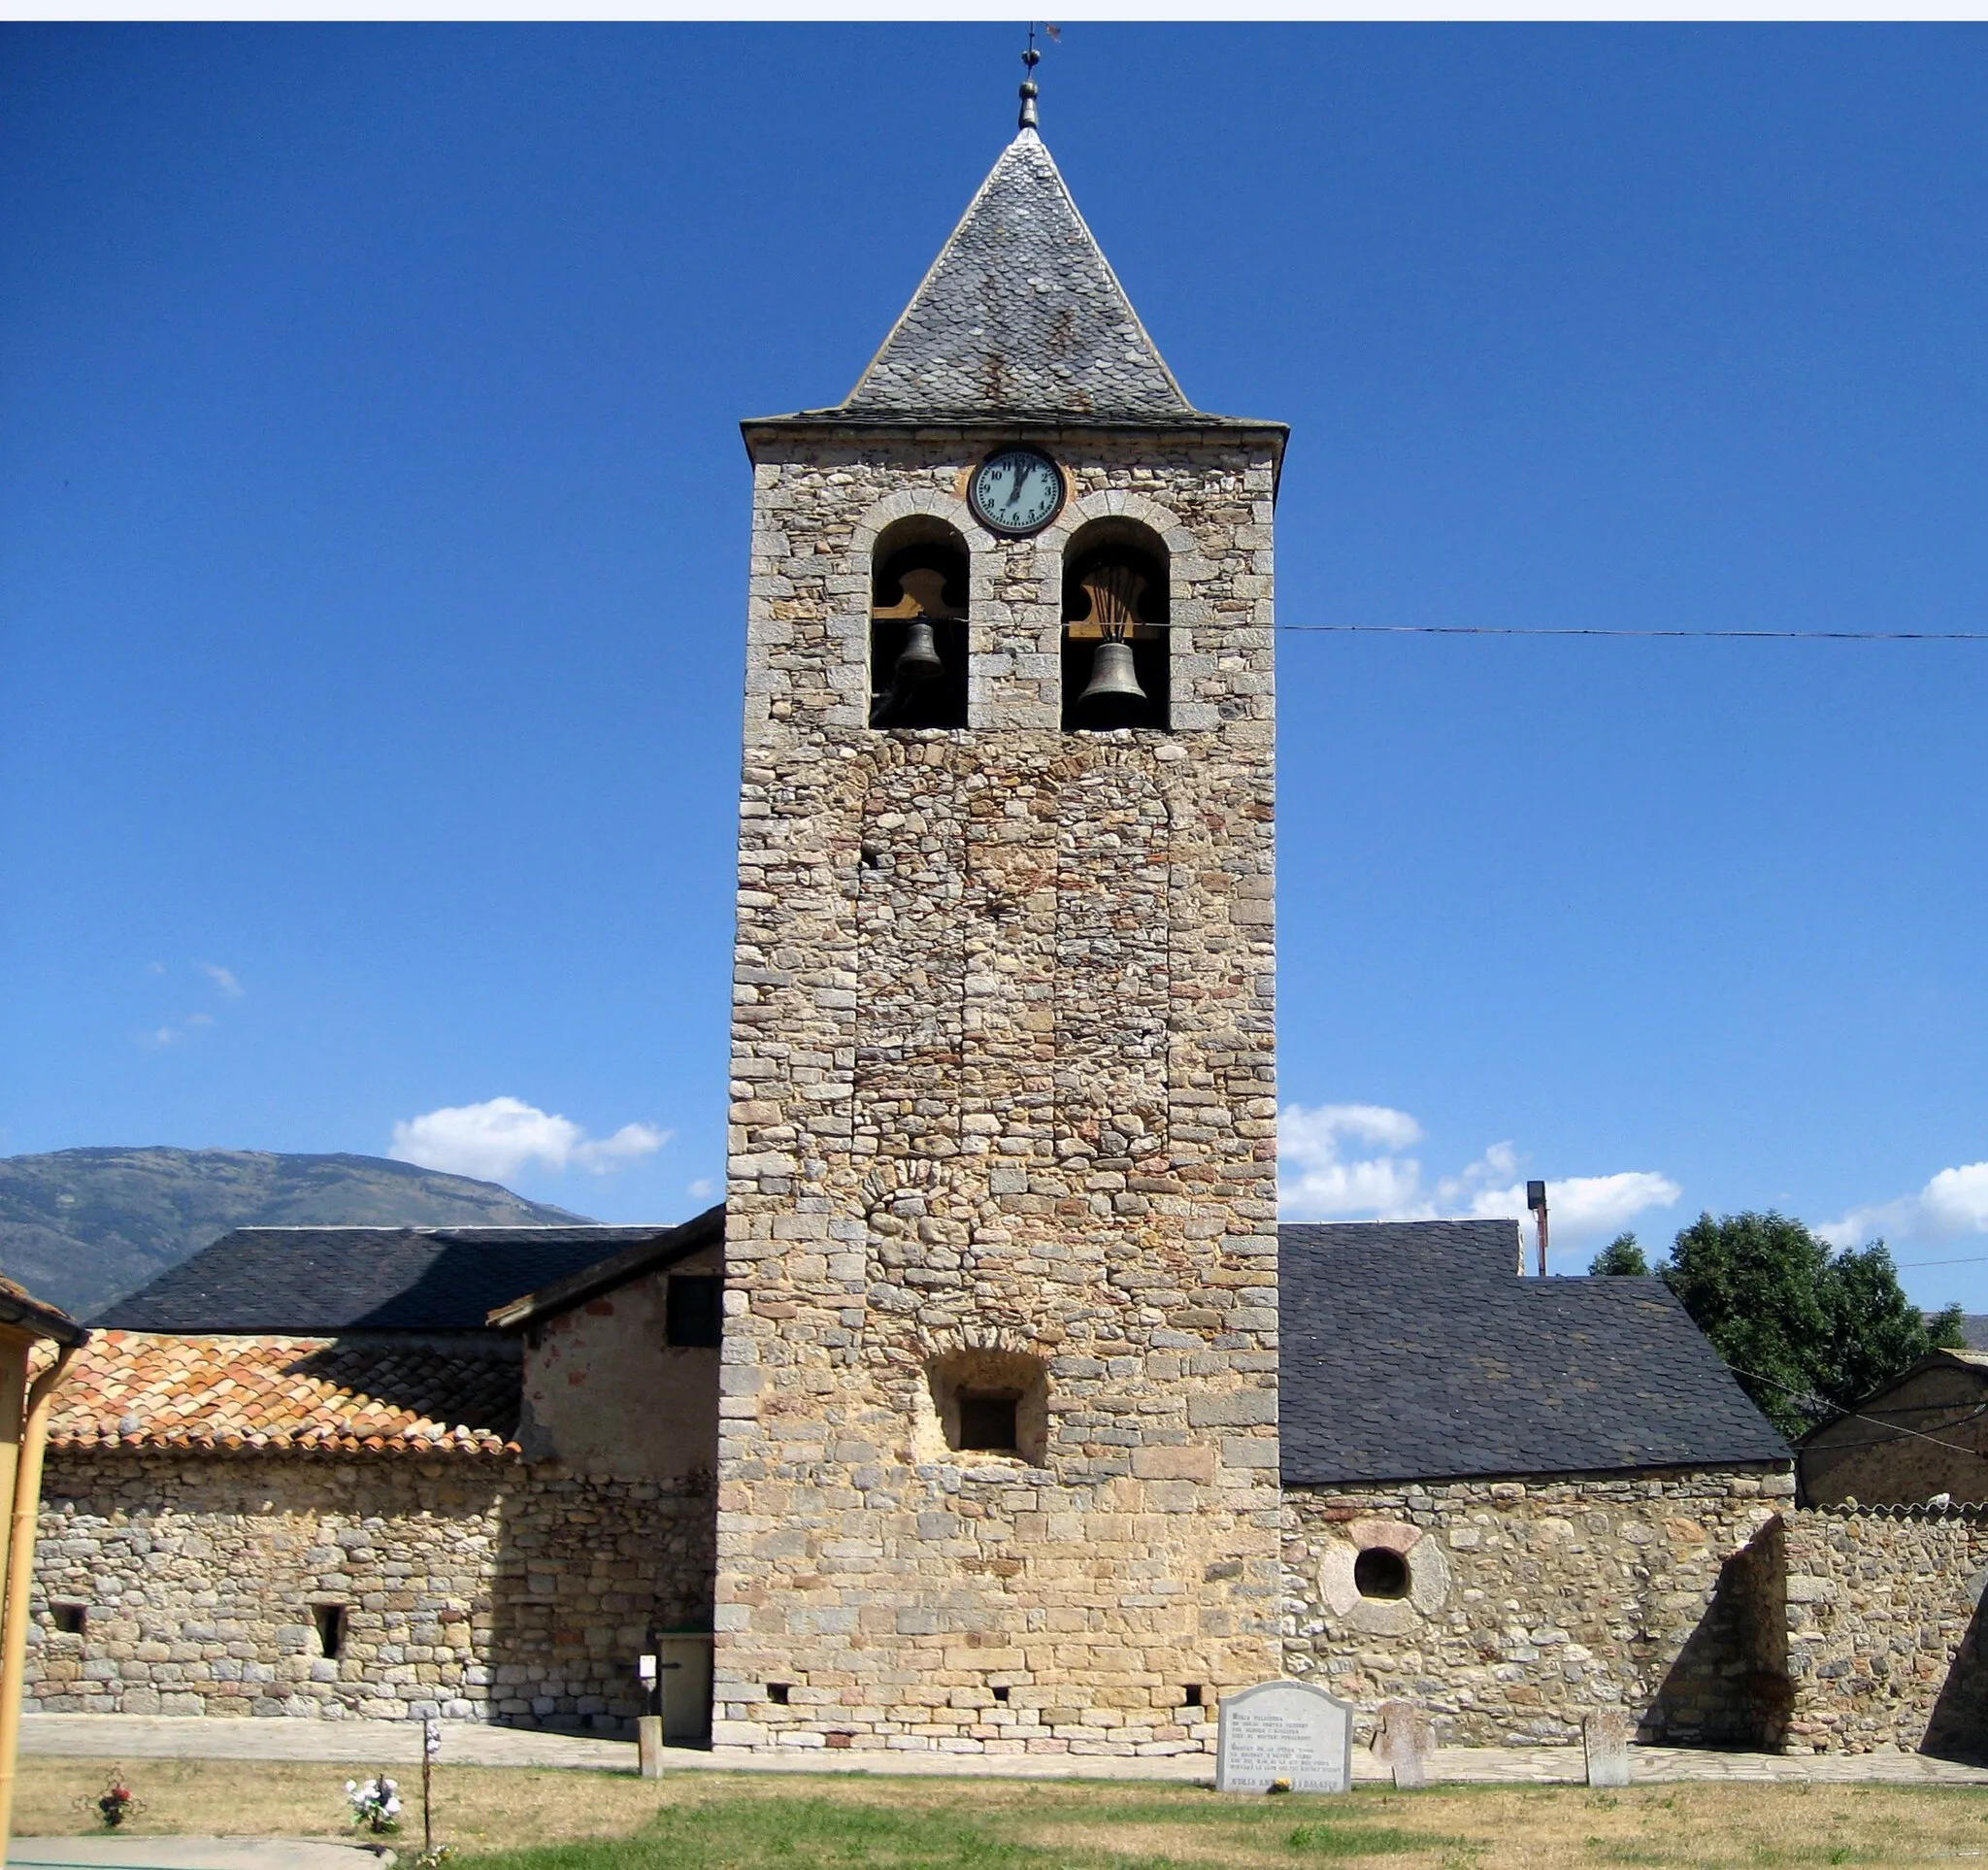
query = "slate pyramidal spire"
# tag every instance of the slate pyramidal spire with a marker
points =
(1020, 316)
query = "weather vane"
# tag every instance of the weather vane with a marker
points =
(1030, 60)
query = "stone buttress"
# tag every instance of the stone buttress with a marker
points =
(1003, 1067)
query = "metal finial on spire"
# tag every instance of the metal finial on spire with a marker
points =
(1028, 61)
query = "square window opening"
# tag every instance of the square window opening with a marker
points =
(779, 1694)
(70, 1619)
(694, 1309)
(987, 1420)
(1001, 1691)
(986, 1402)
(1190, 1696)
(329, 1621)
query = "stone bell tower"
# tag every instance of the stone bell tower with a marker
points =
(999, 1467)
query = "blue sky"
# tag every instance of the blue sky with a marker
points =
(373, 528)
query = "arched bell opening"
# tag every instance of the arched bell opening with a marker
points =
(1114, 628)
(918, 625)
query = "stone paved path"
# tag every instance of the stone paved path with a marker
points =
(186, 1854)
(397, 1743)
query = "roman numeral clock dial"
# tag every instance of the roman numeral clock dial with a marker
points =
(1016, 491)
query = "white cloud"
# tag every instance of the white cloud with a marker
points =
(1318, 1180)
(496, 1139)
(703, 1188)
(162, 1036)
(1954, 1203)
(225, 982)
(1585, 1207)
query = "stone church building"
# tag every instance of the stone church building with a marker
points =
(1025, 1426)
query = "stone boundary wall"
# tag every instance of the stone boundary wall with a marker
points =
(475, 1590)
(1886, 1630)
(1530, 1602)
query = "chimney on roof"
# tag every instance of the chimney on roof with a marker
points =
(1535, 1200)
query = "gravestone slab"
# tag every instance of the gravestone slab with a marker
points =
(1607, 1734)
(1286, 1732)
(1403, 1737)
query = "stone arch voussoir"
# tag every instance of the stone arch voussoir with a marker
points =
(1112, 503)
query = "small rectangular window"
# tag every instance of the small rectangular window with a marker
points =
(70, 1619)
(986, 1422)
(778, 1692)
(1191, 1695)
(330, 1623)
(694, 1309)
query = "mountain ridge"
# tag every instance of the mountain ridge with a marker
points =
(83, 1227)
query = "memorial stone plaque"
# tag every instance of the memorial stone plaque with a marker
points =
(1607, 1734)
(1284, 1732)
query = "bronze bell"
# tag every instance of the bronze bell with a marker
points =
(919, 661)
(1114, 682)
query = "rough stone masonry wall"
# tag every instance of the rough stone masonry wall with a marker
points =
(476, 1590)
(1929, 1437)
(1536, 1601)
(1887, 1645)
(1002, 1082)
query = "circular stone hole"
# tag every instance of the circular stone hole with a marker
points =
(1380, 1573)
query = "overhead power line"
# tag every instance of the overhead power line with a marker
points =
(1808, 1399)
(1736, 635)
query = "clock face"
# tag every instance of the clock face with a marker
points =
(1016, 491)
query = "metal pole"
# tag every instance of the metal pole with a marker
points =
(431, 1745)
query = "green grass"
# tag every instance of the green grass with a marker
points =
(764, 1833)
(735, 1834)
(1362, 1841)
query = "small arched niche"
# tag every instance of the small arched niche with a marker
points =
(918, 625)
(1115, 637)
(987, 1404)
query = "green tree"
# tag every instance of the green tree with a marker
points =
(1752, 1284)
(1946, 1329)
(1875, 1331)
(1621, 1258)
(1808, 1333)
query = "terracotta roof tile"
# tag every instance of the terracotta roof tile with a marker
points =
(327, 1395)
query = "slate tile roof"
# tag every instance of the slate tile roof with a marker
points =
(1020, 315)
(323, 1280)
(308, 1394)
(664, 1250)
(1414, 1350)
